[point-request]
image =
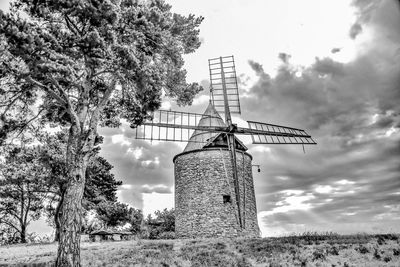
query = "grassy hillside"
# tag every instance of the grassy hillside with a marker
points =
(305, 250)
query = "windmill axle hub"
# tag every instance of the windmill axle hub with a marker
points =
(232, 128)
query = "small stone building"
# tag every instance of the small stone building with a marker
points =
(205, 199)
(100, 235)
(103, 235)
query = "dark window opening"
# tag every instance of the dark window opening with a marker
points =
(226, 198)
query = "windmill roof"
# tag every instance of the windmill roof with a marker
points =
(212, 142)
(199, 138)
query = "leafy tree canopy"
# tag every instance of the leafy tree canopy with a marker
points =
(83, 57)
(100, 183)
(163, 225)
(23, 189)
(113, 214)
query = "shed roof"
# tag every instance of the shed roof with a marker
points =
(109, 232)
(101, 232)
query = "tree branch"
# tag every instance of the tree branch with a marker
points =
(10, 224)
(45, 191)
(22, 128)
(52, 93)
(106, 95)
(94, 119)
(68, 102)
(102, 72)
(8, 105)
(28, 206)
(74, 28)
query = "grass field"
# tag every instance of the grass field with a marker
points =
(304, 250)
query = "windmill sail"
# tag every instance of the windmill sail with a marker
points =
(265, 133)
(167, 125)
(224, 81)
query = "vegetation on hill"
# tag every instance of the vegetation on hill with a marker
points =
(309, 249)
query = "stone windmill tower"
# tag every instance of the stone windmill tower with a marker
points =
(214, 191)
(205, 191)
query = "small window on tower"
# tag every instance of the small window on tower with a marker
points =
(226, 198)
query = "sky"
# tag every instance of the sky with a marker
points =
(329, 67)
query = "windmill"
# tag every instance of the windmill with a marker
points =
(215, 161)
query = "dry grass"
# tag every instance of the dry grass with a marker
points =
(309, 249)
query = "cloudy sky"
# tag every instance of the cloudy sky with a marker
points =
(329, 67)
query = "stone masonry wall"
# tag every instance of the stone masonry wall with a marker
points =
(202, 178)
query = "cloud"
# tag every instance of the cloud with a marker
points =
(339, 207)
(4, 5)
(355, 30)
(142, 166)
(161, 189)
(290, 200)
(352, 111)
(284, 57)
(257, 67)
(328, 66)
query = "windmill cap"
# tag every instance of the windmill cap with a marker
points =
(210, 118)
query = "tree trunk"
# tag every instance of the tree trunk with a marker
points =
(79, 150)
(57, 217)
(57, 234)
(70, 220)
(23, 233)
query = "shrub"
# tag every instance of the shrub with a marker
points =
(319, 254)
(160, 227)
(387, 258)
(377, 255)
(363, 249)
(381, 240)
(158, 246)
(261, 248)
(333, 250)
(384, 237)
(214, 254)
(166, 235)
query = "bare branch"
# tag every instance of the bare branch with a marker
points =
(22, 128)
(102, 103)
(62, 91)
(28, 206)
(11, 102)
(107, 95)
(68, 102)
(71, 25)
(10, 224)
(13, 213)
(72, 96)
(102, 72)
(48, 89)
